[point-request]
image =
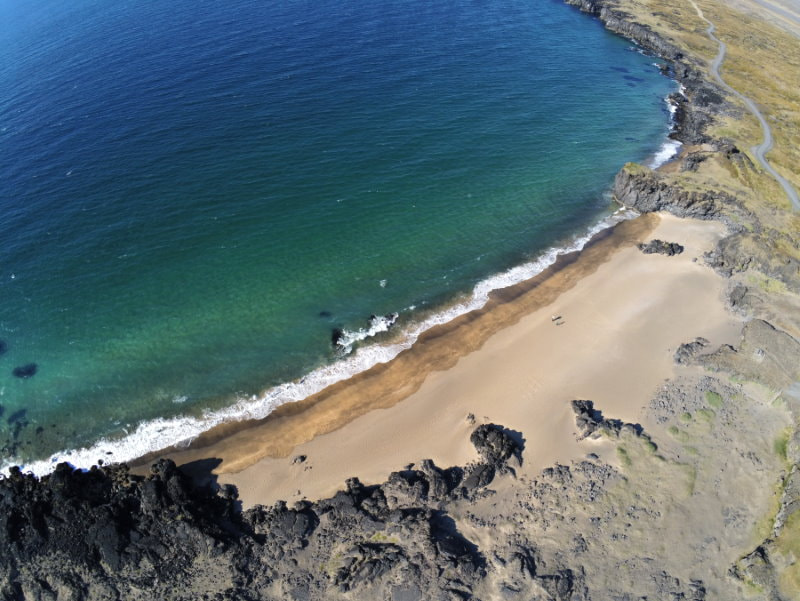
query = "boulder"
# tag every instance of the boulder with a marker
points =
(494, 444)
(660, 247)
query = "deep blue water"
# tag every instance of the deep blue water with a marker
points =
(194, 194)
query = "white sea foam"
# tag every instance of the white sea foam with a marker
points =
(670, 148)
(376, 325)
(180, 431)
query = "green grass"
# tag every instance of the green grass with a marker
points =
(678, 434)
(781, 444)
(766, 283)
(380, 537)
(686, 417)
(714, 399)
(788, 545)
(706, 414)
(624, 458)
(691, 477)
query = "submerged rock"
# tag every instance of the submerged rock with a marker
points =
(3, 347)
(25, 371)
(17, 416)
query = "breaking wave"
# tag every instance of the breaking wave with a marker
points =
(162, 433)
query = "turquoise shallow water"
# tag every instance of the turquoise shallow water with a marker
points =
(196, 194)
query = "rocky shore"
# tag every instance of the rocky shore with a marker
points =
(678, 512)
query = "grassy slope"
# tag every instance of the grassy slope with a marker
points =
(763, 63)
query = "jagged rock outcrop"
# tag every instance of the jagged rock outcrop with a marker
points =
(764, 354)
(495, 445)
(108, 534)
(619, 22)
(643, 189)
(689, 350)
(591, 423)
(661, 247)
(743, 251)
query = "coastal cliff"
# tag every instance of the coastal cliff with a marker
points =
(621, 23)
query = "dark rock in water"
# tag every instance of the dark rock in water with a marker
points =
(337, 334)
(17, 416)
(3, 347)
(687, 351)
(325, 314)
(16, 429)
(2, 410)
(26, 371)
(663, 248)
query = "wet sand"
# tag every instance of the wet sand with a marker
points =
(623, 314)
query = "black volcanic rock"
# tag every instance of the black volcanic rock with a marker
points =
(494, 445)
(660, 247)
(106, 533)
(646, 191)
(26, 371)
(591, 423)
(689, 350)
(336, 336)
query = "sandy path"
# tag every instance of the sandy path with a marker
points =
(765, 146)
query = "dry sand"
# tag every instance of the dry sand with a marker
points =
(624, 313)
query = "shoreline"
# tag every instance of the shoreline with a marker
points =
(167, 436)
(606, 294)
(163, 436)
(632, 398)
(604, 238)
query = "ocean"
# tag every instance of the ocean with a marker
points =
(196, 196)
